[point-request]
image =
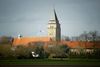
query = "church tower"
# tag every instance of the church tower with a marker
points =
(54, 30)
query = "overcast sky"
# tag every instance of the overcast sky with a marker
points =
(28, 17)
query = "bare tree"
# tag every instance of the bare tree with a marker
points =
(65, 38)
(94, 36)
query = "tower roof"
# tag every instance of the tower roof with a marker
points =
(54, 18)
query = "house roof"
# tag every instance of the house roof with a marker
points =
(26, 40)
(82, 44)
(72, 44)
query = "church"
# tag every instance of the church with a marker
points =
(54, 33)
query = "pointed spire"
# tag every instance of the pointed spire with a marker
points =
(54, 17)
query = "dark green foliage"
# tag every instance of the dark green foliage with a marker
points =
(56, 50)
(53, 50)
(21, 52)
(6, 40)
(96, 53)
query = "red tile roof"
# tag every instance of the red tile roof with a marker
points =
(26, 40)
(72, 44)
(76, 44)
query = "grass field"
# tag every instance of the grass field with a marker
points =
(53, 61)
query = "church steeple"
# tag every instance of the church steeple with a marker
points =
(54, 16)
(54, 30)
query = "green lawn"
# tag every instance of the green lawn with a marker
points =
(53, 61)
